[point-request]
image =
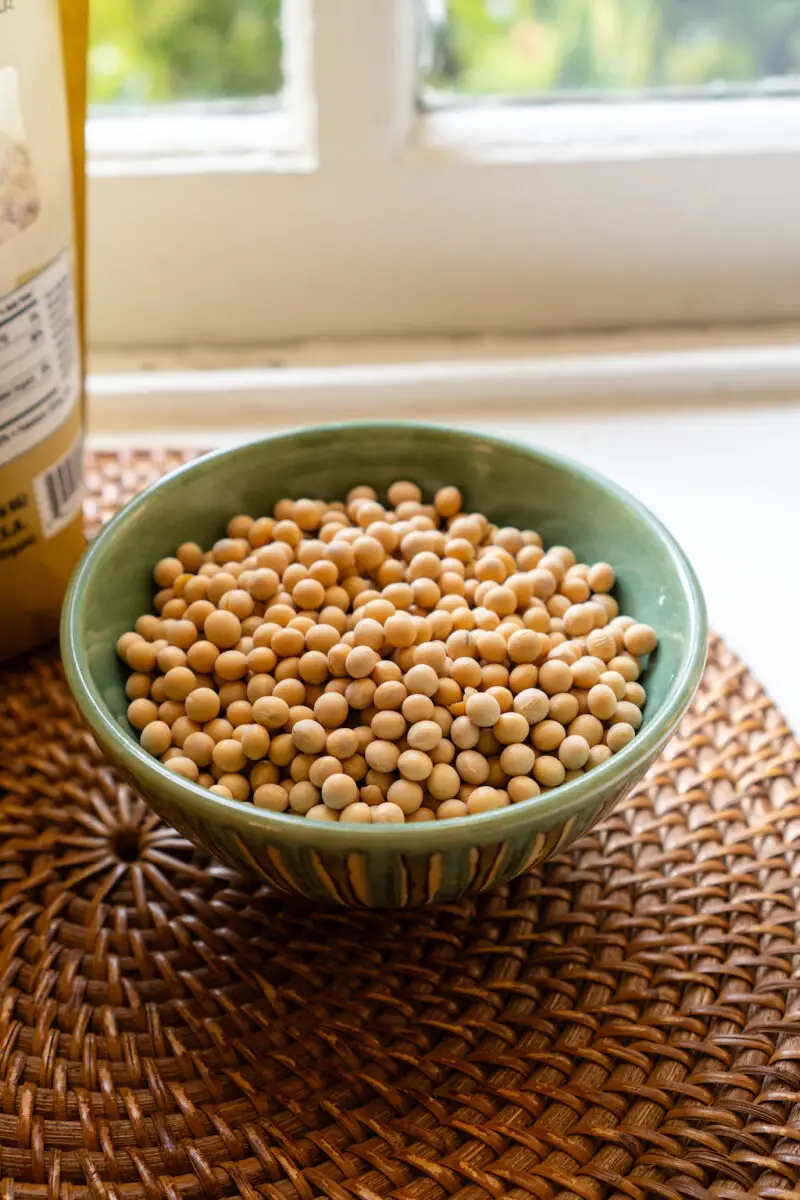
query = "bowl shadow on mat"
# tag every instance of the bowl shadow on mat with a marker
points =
(386, 866)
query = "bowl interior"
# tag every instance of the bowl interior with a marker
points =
(511, 484)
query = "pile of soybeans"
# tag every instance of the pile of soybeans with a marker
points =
(383, 662)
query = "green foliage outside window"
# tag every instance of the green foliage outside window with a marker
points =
(548, 45)
(150, 51)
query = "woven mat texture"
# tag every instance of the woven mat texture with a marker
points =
(623, 1022)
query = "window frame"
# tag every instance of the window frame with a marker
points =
(351, 212)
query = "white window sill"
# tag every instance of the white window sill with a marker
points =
(192, 141)
(659, 129)
(704, 430)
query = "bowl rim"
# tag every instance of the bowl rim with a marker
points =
(286, 827)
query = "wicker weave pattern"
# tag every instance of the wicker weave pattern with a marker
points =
(623, 1022)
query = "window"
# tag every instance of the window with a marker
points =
(155, 53)
(373, 167)
(552, 49)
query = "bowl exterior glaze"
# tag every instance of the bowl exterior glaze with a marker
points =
(387, 866)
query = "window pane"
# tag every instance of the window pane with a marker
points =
(152, 51)
(555, 46)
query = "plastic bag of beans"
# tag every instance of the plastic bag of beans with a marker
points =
(42, 106)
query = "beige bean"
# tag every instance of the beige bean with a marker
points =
(533, 704)
(549, 771)
(486, 799)
(406, 794)
(414, 765)
(548, 735)
(522, 788)
(601, 701)
(483, 709)
(356, 814)
(618, 736)
(472, 766)
(640, 639)
(271, 797)
(444, 782)
(517, 759)
(156, 738)
(424, 735)
(185, 767)
(339, 790)
(511, 727)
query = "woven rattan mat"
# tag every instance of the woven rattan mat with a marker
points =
(623, 1022)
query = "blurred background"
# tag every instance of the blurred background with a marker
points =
(152, 51)
(570, 221)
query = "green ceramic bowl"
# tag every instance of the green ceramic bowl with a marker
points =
(383, 866)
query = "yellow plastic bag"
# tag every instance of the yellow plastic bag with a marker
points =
(42, 110)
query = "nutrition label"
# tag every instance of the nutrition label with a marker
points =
(39, 359)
